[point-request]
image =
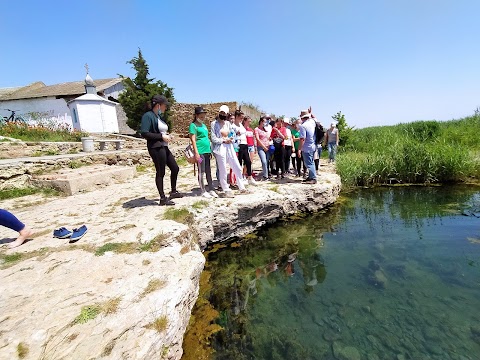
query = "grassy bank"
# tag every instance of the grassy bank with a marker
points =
(45, 132)
(422, 152)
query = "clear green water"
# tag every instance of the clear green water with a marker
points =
(388, 274)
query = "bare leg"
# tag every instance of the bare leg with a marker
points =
(24, 234)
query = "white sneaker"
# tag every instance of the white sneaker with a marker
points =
(213, 194)
(244, 182)
(207, 195)
(252, 181)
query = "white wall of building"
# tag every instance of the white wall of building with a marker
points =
(95, 116)
(57, 109)
(114, 91)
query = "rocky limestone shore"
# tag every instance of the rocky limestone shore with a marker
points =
(126, 289)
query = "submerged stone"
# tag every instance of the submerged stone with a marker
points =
(345, 353)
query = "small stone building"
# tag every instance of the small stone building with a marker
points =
(93, 113)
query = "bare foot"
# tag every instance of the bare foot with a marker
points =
(23, 235)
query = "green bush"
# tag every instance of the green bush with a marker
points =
(422, 152)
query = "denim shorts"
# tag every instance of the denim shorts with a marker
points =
(251, 148)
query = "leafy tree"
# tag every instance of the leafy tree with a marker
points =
(346, 131)
(135, 100)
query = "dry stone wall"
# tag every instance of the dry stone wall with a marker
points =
(182, 114)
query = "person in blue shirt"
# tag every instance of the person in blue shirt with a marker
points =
(307, 145)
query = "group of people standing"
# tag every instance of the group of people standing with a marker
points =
(233, 142)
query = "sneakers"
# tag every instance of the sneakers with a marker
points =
(229, 194)
(175, 195)
(206, 194)
(213, 194)
(165, 202)
(62, 233)
(309, 181)
(245, 191)
(75, 235)
(78, 234)
(252, 181)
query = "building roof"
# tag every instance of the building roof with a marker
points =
(39, 89)
(92, 97)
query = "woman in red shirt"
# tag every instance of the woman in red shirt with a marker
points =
(278, 135)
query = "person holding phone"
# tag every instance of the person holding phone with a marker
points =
(155, 130)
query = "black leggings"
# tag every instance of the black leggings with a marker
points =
(162, 157)
(279, 158)
(297, 160)
(244, 156)
(288, 155)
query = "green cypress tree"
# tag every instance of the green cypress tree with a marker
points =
(138, 92)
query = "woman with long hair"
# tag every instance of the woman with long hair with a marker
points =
(155, 130)
(263, 138)
(278, 136)
(297, 160)
(247, 120)
(198, 132)
(243, 156)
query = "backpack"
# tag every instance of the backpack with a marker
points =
(319, 133)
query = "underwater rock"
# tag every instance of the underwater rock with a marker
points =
(434, 349)
(431, 335)
(331, 336)
(372, 357)
(475, 329)
(377, 279)
(396, 270)
(373, 265)
(345, 353)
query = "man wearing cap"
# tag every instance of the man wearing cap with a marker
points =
(155, 130)
(307, 145)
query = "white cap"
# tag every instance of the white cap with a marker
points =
(286, 120)
(224, 108)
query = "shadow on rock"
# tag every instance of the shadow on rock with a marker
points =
(140, 202)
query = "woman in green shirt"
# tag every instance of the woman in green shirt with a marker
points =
(201, 144)
(297, 160)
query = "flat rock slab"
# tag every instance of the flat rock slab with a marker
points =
(47, 282)
(74, 181)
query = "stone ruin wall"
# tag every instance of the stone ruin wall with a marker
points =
(181, 114)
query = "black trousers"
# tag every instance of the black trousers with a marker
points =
(297, 162)
(244, 157)
(162, 157)
(288, 155)
(279, 158)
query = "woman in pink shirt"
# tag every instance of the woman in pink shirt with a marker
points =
(263, 140)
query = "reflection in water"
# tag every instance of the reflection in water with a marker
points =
(389, 274)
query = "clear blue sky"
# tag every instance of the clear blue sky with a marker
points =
(378, 61)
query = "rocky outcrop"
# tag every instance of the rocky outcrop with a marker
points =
(250, 212)
(126, 289)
